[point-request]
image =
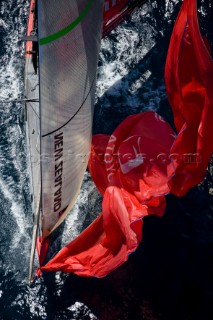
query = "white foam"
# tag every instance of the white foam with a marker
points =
(77, 308)
(11, 64)
(120, 56)
(15, 207)
(12, 147)
(170, 4)
(34, 300)
(140, 81)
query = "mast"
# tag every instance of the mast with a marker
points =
(32, 109)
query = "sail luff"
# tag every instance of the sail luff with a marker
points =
(33, 127)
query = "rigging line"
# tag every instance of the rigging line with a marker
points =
(31, 106)
(47, 134)
(19, 100)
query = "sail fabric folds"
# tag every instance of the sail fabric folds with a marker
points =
(136, 156)
(133, 179)
(69, 41)
(189, 83)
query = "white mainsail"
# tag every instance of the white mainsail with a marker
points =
(59, 126)
(69, 41)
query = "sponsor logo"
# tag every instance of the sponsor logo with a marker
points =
(58, 155)
(109, 157)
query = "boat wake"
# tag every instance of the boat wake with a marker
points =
(13, 169)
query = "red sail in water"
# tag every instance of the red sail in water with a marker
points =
(131, 168)
(189, 83)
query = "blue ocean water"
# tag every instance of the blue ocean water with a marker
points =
(170, 275)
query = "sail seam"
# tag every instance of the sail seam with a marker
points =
(47, 134)
(71, 26)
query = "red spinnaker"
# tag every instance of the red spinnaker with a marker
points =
(189, 84)
(132, 177)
